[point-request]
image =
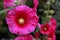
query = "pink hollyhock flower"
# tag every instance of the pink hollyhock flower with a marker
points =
(37, 35)
(22, 20)
(24, 37)
(10, 3)
(53, 23)
(51, 35)
(45, 28)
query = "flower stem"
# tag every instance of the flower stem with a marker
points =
(47, 14)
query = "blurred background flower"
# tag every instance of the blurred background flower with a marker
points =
(11, 3)
(24, 37)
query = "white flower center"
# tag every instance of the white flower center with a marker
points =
(21, 21)
(50, 38)
(45, 28)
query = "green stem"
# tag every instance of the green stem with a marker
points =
(47, 14)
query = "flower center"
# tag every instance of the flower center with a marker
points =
(45, 28)
(21, 21)
(50, 38)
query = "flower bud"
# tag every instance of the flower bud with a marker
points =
(51, 11)
(46, 12)
(49, 16)
(48, 3)
(52, 1)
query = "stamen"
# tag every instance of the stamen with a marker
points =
(21, 21)
(50, 38)
(45, 28)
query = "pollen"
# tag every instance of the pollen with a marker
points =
(50, 38)
(21, 21)
(45, 28)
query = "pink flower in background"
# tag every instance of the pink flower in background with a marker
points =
(24, 37)
(10, 3)
(22, 20)
(51, 35)
(53, 23)
(45, 28)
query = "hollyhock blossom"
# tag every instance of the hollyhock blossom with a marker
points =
(11, 3)
(51, 35)
(22, 20)
(50, 26)
(53, 23)
(24, 37)
(45, 28)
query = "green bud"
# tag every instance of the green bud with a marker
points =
(51, 11)
(45, 12)
(48, 3)
(17, 3)
(52, 1)
(49, 16)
